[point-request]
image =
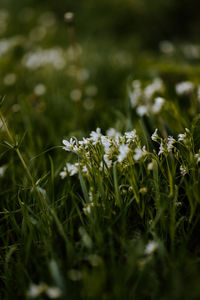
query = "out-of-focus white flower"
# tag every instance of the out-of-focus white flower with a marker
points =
(53, 292)
(91, 90)
(155, 87)
(184, 88)
(72, 169)
(36, 290)
(9, 79)
(191, 51)
(151, 165)
(89, 103)
(76, 95)
(166, 47)
(136, 93)
(39, 89)
(42, 57)
(139, 153)
(83, 74)
(183, 170)
(158, 104)
(170, 143)
(123, 152)
(142, 110)
(2, 170)
(155, 136)
(151, 247)
(9, 43)
(182, 137)
(112, 132)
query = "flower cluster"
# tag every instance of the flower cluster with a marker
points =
(147, 100)
(102, 151)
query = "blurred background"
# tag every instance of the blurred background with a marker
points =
(56, 86)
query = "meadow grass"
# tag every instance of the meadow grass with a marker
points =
(99, 160)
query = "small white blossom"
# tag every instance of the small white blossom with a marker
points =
(131, 136)
(136, 93)
(155, 136)
(184, 88)
(142, 110)
(40, 89)
(107, 160)
(183, 170)
(139, 153)
(151, 165)
(70, 146)
(197, 156)
(158, 104)
(95, 136)
(162, 148)
(151, 247)
(53, 292)
(154, 87)
(182, 137)
(112, 132)
(170, 143)
(123, 152)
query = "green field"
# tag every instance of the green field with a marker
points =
(99, 149)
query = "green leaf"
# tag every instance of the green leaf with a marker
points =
(83, 186)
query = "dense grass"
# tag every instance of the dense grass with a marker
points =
(117, 214)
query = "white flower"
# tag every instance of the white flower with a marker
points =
(53, 292)
(70, 146)
(72, 169)
(131, 136)
(151, 165)
(95, 136)
(151, 247)
(162, 148)
(155, 136)
(85, 142)
(182, 137)
(197, 156)
(136, 93)
(40, 89)
(139, 153)
(106, 141)
(112, 132)
(76, 95)
(158, 104)
(10, 79)
(123, 152)
(36, 290)
(184, 88)
(183, 170)
(170, 144)
(151, 89)
(43, 57)
(107, 160)
(142, 110)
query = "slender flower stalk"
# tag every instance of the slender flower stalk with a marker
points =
(43, 200)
